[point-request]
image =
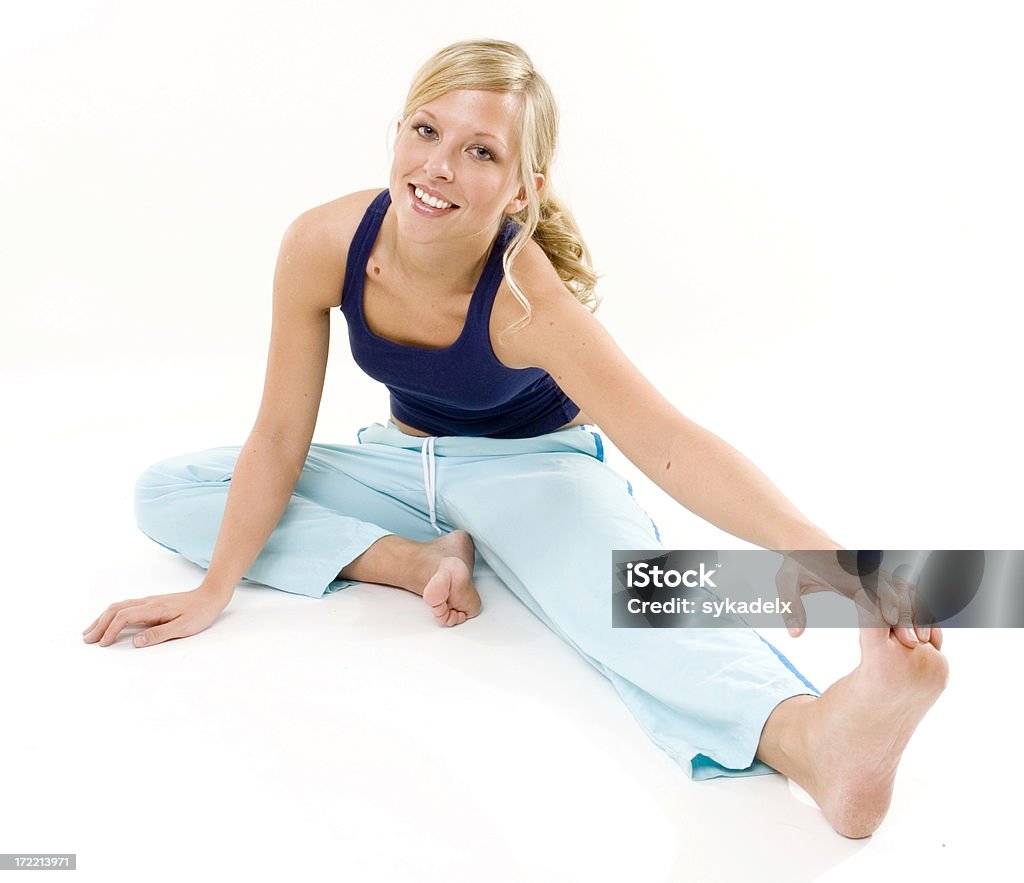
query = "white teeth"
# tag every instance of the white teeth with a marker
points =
(430, 200)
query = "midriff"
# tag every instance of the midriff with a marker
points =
(408, 430)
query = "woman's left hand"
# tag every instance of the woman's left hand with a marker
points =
(893, 606)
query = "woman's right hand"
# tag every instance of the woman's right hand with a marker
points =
(176, 615)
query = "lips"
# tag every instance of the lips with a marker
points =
(429, 198)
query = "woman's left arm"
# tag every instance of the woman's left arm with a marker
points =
(694, 466)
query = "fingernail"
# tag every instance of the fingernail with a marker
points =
(140, 640)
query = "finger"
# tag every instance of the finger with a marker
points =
(924, 633)
(905, 632)
(146, 613)
(100, 624)
(787, 584)
(907, 636)
(796, 616)
(174, 628)
(889, 602)
(922, 624)
(922, 617)
(874, 630)
(936, 637)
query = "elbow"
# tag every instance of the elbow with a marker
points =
(286, 447)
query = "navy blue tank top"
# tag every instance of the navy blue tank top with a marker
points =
(461, 389)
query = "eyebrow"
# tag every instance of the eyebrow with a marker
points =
(475, 134)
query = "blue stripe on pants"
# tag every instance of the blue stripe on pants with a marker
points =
(545, 514)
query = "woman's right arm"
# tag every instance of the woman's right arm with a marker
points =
(307, 284)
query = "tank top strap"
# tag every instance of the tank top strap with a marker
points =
(478, 318)
(359, 251)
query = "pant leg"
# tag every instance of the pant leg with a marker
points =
(346, 498)
(703, 695)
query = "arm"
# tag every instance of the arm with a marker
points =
(307, 283)
(694, 466)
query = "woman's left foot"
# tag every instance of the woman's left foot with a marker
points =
(449, 592)
(854, 734)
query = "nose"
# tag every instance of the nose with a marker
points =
(437, 164)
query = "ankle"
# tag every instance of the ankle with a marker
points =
(392, 561)
(421, 564)
(784, 739)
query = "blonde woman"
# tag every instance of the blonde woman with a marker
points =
(467, 291)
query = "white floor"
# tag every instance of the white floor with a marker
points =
(351, 737)
(807, 224)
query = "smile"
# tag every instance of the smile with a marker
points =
(432, 201)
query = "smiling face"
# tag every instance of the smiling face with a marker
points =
(456, 167)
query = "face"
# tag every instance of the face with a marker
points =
(461, 150)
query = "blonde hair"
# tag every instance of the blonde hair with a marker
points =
(499, 66)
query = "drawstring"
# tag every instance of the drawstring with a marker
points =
(429, 481)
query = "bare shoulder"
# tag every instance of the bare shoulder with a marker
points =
(318, 241)
(554, 312)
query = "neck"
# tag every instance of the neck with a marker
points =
(445, 266)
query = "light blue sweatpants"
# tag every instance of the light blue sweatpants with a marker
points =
(545, 514)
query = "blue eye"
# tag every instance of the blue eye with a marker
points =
(425, 130)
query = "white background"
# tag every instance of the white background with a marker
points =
(807, 221)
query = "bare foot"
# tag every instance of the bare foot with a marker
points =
(440, 570)
(450, 592)
(847, 748)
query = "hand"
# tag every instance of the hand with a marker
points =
(176, 615)
(895, 597)
(869, 620)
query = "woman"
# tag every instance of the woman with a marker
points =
(467, 290)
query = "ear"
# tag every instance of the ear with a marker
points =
(519, 201)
